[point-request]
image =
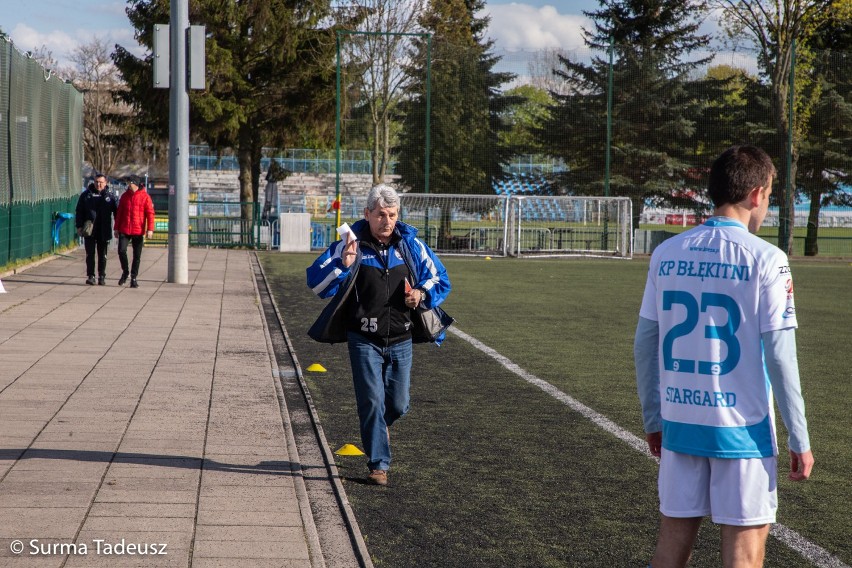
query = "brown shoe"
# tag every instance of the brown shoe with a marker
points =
(378, 477)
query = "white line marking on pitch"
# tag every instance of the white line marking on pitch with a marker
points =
(812, 552)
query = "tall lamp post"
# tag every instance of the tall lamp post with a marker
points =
(178, 56)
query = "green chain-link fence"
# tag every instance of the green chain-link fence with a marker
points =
(41, 156)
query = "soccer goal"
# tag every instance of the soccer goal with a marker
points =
(521, 225)
(571, 226)
(458, 224)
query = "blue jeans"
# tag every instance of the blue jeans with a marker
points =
(382, 379)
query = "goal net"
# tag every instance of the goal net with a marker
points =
(521, 225)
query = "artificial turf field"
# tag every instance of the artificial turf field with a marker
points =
(491, 471)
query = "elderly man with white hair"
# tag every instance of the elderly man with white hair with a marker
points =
(386, 286)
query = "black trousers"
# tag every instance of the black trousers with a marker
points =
(95, 245)
(137, 241)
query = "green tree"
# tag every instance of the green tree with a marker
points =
(778, 28)
(734, 110)
(825, 156)
(654, 112)
(524, 119)
(270, 76)
(466, 155)
(137, 73)
(727, 109)
(374, 57)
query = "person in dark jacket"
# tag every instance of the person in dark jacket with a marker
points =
(380, 274)
(97, 204)
(133, 222)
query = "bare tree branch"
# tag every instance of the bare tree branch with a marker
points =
(379, 50)
(96, 76)
(776, 26)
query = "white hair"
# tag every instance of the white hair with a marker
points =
(382, 195)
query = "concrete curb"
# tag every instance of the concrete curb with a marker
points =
(312, 536)
(358, 542)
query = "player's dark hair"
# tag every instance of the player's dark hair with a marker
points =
(737, 171)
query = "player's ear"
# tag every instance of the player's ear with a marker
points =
(755, 196)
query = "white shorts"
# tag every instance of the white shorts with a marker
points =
(741, 492)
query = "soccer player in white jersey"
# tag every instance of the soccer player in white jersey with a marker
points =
(714, 345)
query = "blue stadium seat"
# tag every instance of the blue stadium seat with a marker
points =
(522, 184)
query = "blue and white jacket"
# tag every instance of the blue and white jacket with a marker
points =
(368, 296)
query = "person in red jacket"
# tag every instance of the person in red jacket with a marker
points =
(133, 222)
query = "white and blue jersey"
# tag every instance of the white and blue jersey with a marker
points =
(713, 291)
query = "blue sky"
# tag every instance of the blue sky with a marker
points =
(538, 24)
(61, 25)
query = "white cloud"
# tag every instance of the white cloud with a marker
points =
(521, 26)
(62, 45)
(58, 42)
(746, 60)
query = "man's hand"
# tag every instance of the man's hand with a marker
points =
(116, 234)
(350, 251)
(413, 298)
(655, 443)
(150, 235)
(801, 465)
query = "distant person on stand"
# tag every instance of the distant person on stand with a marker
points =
(93, 218)
(133, 222)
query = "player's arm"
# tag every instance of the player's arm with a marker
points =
(646, 358)
(149, 216)
(328, 271)
(783, 367)
(432, 278)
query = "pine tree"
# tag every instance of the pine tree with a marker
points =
(654, 112)
(825, 156)
(270, 77)
(466, 155)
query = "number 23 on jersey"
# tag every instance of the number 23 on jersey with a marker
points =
(697, 313)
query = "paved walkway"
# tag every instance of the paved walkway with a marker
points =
(140, 421)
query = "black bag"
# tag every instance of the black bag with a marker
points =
(427, 325)
(330, 326)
